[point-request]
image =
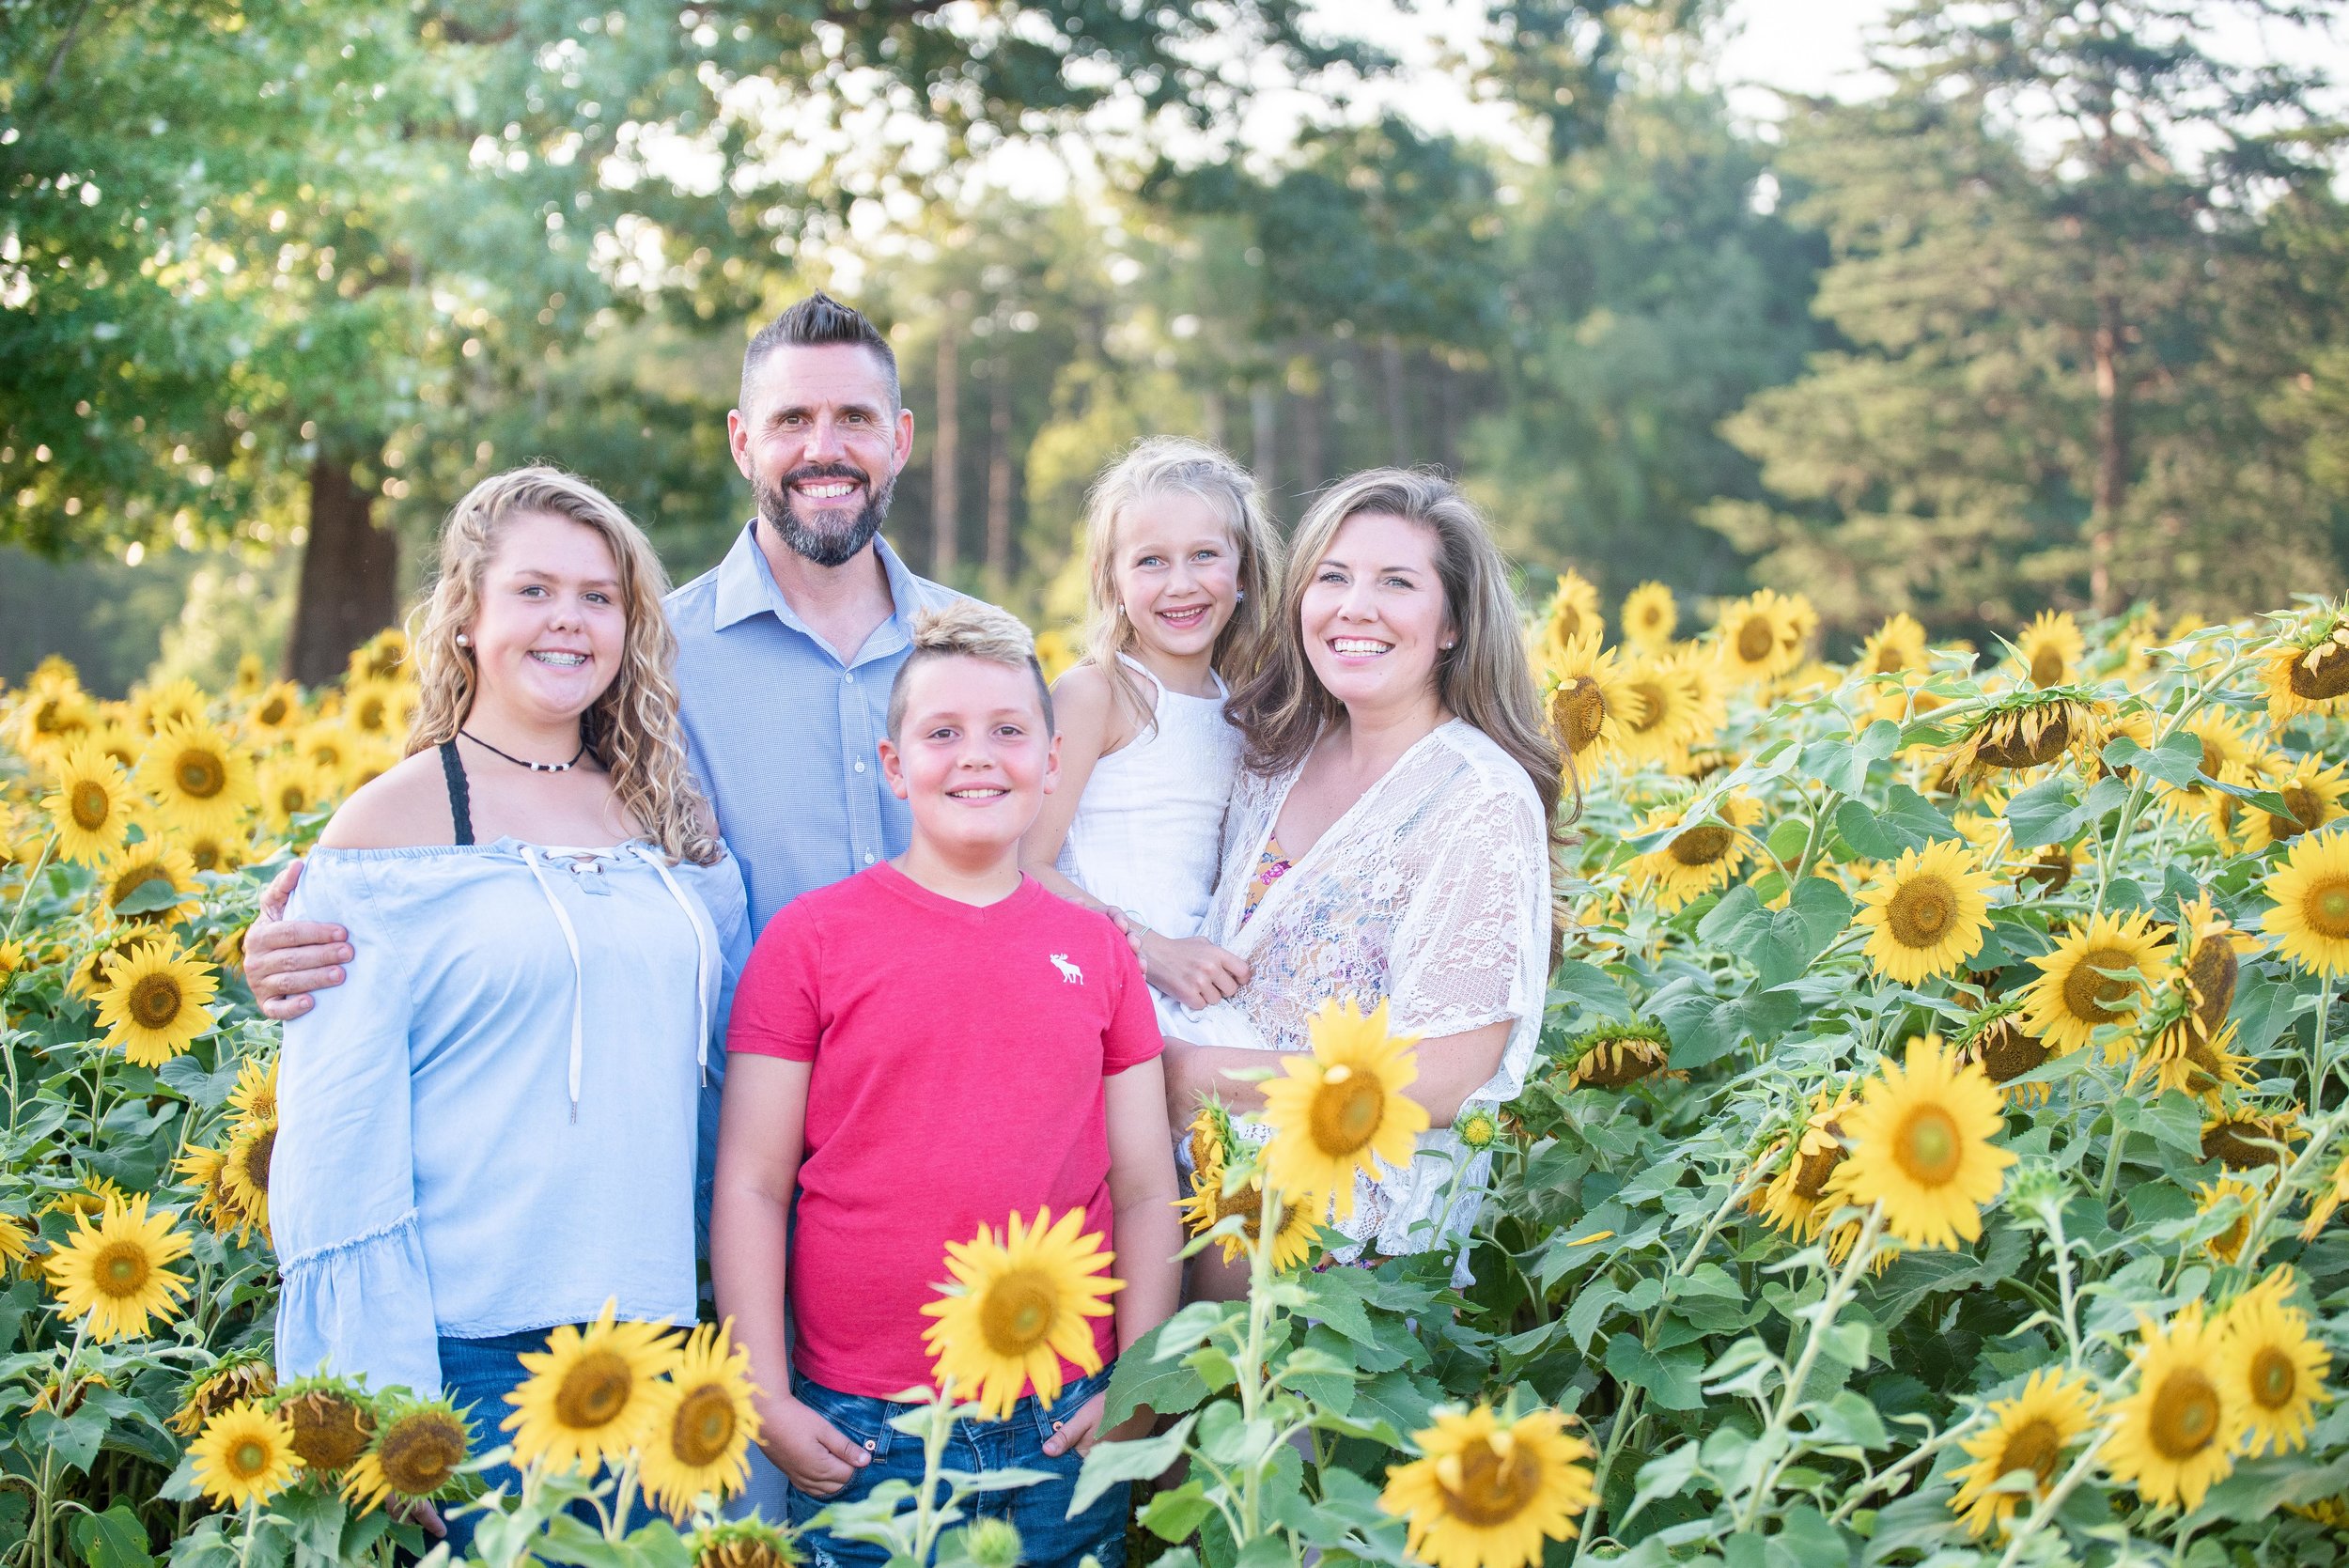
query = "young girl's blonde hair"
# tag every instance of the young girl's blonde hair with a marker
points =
(631, 729)
(1155, 466)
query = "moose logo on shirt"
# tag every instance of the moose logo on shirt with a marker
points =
(1070, 973)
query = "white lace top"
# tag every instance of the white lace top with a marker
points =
(1430, 893)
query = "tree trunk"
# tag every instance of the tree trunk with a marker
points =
(998, 480)
(946, 492)
(2113, 455)
(349, 587)
(1391, 395)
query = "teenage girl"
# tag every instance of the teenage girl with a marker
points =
(1182, 561)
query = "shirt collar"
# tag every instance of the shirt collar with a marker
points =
(746, 587)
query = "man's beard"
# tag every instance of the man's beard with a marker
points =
(825, 547)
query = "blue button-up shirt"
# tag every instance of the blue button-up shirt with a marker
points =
(784, 729)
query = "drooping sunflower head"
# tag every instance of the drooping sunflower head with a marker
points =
(417, 1448)
(241, 1375)
(91, 806)
(2314, 795)
(591, 1392)
(2028, 729)
(1761, 637)
(2231, 1199)
(1571, 612)
(155, 1003)
(1019, 1304)
(2275, 1367)
(2094, 979)
(1590, 702)
(2245, 1140)
(1921, 1144)
(333, 1422)
(2028, 1434)
(244, 1455)
(742, 1543)
(2310, 893)
(200, 780)
(115, 1272)
(700, 1438)
(1797, 1200)
(1486, 1493)
(1339, 1109)
(2308, 671)
(1650, 616)
(2185, 1059)
(2210, 960)
(2179, 1427)
(2048, 652)
(1616, 1055)
(1926, 912)
(1706, 852)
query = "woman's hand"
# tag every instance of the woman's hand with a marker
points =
(811, 1453)
(1191, 970)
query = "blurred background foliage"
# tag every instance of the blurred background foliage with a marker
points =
(2058, 317)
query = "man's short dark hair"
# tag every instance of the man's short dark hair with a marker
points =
(815, 321)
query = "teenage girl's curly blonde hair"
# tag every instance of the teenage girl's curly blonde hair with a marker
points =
(631, 729)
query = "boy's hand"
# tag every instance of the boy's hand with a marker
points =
(1191, 970)
(811, 1453)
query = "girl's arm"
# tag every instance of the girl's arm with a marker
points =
(761, 1134)
(1083, 706)
(1451, 1068)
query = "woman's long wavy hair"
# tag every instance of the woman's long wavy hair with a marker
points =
(1155, 466)
(631, 729)
(1484, 678)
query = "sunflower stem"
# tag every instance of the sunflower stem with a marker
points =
(252, 1527)
(2064, 1280)
(2111, 847)
(41, 863)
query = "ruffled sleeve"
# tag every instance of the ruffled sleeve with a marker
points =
(357, 1299)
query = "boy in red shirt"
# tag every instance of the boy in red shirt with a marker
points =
(934, 1045)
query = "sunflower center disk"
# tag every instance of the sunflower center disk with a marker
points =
(1920, 911)
(1756, 640)
(1347, 1108)
(2321, 676)
(2185, 1414)
(2326, 907)
(1018, 1312)
(2308, 811)
(257, 1159)
(1580, 712)
(595, 1391)
(2274, 1379)
(122, 1270)
(329, 1432)
(1701, 845)
(1812, 1170)
(2214, 969)
(1651, 713)
(1493, 1488)
(91, 805)
(2091, 997)
(1928, 1146)
(2046, 668)
(2034, 1446)
(420, 1453)
(200, 774)
(2008, 1053)
(704, 1427)
(155, 1001)
(249, 1458)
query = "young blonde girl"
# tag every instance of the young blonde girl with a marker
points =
(1182, 560)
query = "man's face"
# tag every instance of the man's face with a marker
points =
(821, 446)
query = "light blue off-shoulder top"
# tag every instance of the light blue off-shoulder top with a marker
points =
(493, 1125)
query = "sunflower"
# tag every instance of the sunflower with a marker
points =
(1667, 712)
(1996, 1041)
(742, 1543)
(416, 1451)
(1796, 1201)
(119, 741)
(241, 1374)
(1296, 1229)
(380, 709)
(1341, 1108)
(1615, 1055)
(591, 1394)
(2028, 729)
(200, 781)
(380, 656)
(91, 805)
(51, 718)
(275, 711)
(1920, 1145)
(244, 1173)
(1761, 636)
(153, 1005)
(1705, 853)
(1894, 648)
(2246, 1140)
(2312, 792)
(1487, 1494)
(143, 872)
(2230, 754)
(704, 1426)
(2310, 892)
(2048, 652)
(291, 787)
(332, 1423)
(2218, 1196)
(254, 1097)
(156, 708)
(2205, 1068)
(244, 1456)
(2176, 1432)
(2084, 985)
(112, 1272)
(1590, 703)
(16, 1239)
(327, 746)
(1927, 913)
(1020, 1306)
(206, 1170)
(2272, 1366)
(2209, 962)
(2326, 1200)
(1650, 617)
(2028, 1432)
(2307, 673)
(1571, 613)
(211, 852)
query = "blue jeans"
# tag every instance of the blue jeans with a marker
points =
(476, 1375)
(1048, 1538)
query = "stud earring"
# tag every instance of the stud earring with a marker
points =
(463, 640)
(1239, 595)
(1121, 612)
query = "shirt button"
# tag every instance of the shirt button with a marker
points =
(851, 678)
(868, 859)
(860, 768)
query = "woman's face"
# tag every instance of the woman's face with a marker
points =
(548, 635)
(1374, 616)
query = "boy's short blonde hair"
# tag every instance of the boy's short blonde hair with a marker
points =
(969, 630)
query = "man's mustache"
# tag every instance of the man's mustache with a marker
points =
(827, 471)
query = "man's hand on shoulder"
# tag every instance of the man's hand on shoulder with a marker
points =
(284, 960)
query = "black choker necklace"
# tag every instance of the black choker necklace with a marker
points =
(524, 762)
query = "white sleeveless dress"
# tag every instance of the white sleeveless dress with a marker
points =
(1148, 832)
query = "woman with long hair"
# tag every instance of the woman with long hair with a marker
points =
(1390, 837)
(490, 1129)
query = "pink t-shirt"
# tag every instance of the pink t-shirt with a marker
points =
(958, 1055)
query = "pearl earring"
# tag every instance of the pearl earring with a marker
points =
(463, 640)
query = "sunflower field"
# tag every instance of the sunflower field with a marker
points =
(1935, 1156)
